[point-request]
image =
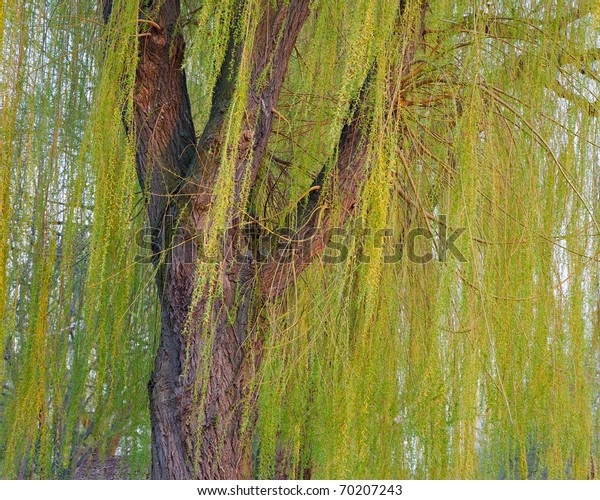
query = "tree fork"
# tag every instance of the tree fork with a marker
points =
(167, 152)
(187, 444)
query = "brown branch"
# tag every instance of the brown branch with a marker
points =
(273, 46)
(345, 173)
(274, 41)
(317, 217)
(169, 159)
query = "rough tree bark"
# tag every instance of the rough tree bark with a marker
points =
(178, 171)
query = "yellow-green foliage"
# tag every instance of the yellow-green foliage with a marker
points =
(478, 369)
(78, 315)
(485, 367)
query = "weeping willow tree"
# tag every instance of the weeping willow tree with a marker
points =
(300, 239)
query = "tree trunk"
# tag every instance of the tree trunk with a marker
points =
(196, 428)
(201, 404)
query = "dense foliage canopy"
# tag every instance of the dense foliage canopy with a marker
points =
(481, 115)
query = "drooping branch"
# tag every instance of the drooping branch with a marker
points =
(173, 165)
(586, 106)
